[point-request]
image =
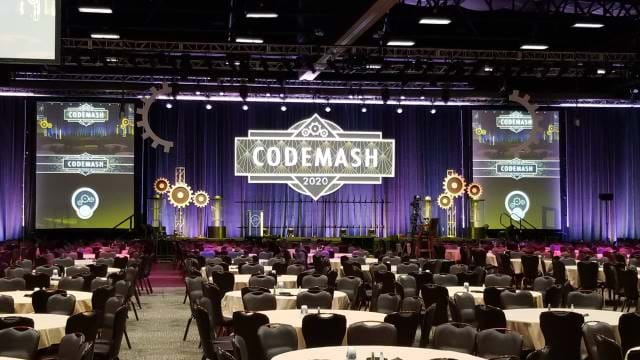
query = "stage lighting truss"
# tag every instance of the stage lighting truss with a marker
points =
(147, 132)
(161, 185)
(180, 195)
(200, 199)
(454, 185)
(474, 190)
(445, 201)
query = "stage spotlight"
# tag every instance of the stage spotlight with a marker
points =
(399, 110)
(363, 109)
(208, 107)
(169, 105)
(283, 108)
(327, 108)
(433, 110)
(245, 107)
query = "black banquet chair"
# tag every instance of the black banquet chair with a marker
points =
(406, 324)
(495, 343)
(277, 339)
(246, 325)
(19, 342)
(562, 333)
(372, 333)
(321, 330)
(458, 337)
(629, 328)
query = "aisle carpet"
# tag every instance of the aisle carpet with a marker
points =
(164, 275)
(158, 334)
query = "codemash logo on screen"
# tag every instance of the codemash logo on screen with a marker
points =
(315, 157)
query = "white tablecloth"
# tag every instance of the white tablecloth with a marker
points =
(288, 281)
(335, 263)
(23, 305)
(574, 279)
(478, 294)
(84, 262)
(294, 318)
(527, 323)
(390, 352)
(232, 301)
(51, 327)
(516, 263)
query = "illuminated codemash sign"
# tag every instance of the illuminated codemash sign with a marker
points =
(315, 157)
(86, 115)
(515, 121)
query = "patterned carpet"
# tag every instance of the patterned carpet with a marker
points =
(158, 334)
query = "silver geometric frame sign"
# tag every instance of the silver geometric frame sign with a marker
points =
(315, 157)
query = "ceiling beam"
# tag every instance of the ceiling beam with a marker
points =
(361, 26)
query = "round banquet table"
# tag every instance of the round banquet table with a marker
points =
(294, 318)
(390, 352)
(517, 265)
(287, 281)
(113, 270)
(54, 282)
(232, 301)
(51, 327)
(9, 358)
(574, 279)
(84, 262)
(478, 294)
(526, 322)
(335, 263)
(22, 303)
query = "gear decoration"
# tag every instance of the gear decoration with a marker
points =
(147, 132)
(161, 185)
(474, 190)
(180, 195)
(454, 185)
(200, 199)
(525, 101)
(445, 201)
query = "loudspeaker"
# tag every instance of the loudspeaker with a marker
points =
(606, 196)
(217, 232)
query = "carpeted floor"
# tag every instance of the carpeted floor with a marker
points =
(163, 318)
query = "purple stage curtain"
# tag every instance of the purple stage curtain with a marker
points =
(602, 156)
(12, 159)
(426, 146)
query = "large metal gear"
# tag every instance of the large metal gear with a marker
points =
(454, 185)
(474, 190)
(536, 129)
(445, 201)
(200, 199)
(161, 185)
(180, 195)
(147, 132)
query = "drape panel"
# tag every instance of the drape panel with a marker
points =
(602, 156)
(12, 151)
(426, 146)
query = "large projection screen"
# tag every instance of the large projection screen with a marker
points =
(85, 164)
(518, 168)
(29, 31)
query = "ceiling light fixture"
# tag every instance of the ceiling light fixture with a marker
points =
(208, 106)
(169, 105)
(399, 110)
(363, 109)
(433, 110)
(601, 71)
(588, 25)
(283, 107)
(327, 108)
(534, 47)
(488, 68)
(111, 36)
(248, 40)
(95, 9)
(261, 15)
(434, 21)
(245, 107)
(400, 43)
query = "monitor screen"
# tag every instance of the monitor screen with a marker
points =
(85, 164)
(29, 31)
